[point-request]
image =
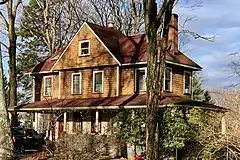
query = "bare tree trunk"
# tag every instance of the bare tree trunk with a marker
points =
(6, 146)
(12, 63)
(12, 37)
(157, 51)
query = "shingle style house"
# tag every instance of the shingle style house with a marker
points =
(103, 69)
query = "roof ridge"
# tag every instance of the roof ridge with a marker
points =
(104, 27)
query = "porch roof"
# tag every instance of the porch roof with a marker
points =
(120, 102)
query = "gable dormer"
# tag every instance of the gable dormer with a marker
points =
(90, 47)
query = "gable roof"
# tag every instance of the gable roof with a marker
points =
(124, 49)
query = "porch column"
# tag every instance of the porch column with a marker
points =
(36, 121)
(10, 116)
(56, 130)
(96, 121)
(70, 123)
(50, 135)
(65, 122)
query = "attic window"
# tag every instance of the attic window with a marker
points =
(84, 48)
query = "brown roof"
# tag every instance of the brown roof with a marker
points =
(134, 49)
(120, 102)
(48, 63)
(126, 49)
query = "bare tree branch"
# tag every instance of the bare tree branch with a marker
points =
(3, 2)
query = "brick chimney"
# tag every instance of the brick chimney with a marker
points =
(173, 33)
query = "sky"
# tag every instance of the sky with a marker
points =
(219, 18)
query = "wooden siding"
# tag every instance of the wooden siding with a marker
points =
(109, 83)
(177, 80)
(127, 81)
(39, 87)
(99, 56)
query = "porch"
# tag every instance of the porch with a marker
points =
(91, 115)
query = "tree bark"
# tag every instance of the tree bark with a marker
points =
(12, 64)
(157, 50)
(6, 145)
(12, 100)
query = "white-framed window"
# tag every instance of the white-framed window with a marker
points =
(167, 79)
(48, 85)
(98, 77)
(84, 48)
(187, 79)
(76, 83)
(140, 79)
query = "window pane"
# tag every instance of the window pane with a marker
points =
(98, 82)
(85, 51)
(76, 84)
(187, 82)
(167, 85)
(167, 81)
(48, 86)
(141, 80)
(167, 74)
(85, 45)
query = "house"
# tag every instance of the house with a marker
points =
(102, 69)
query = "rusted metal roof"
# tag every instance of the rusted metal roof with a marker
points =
(47, 64)
(120, 102)
(126, 49)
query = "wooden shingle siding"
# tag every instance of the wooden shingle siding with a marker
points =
(99, 56)
(39, 87)
(109, 83)
(177, 81)
(127, 81)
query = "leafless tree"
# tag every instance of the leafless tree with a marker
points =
(9, 21)
(155, 20)
(6, 146)
(55, 25)
(3, 2)
(220, 137)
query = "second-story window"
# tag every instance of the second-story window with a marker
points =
(168, 79)
(187, 82)
(98, 81)
(76, 83)
(48, 85)
(140, 79)
(84, 48)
